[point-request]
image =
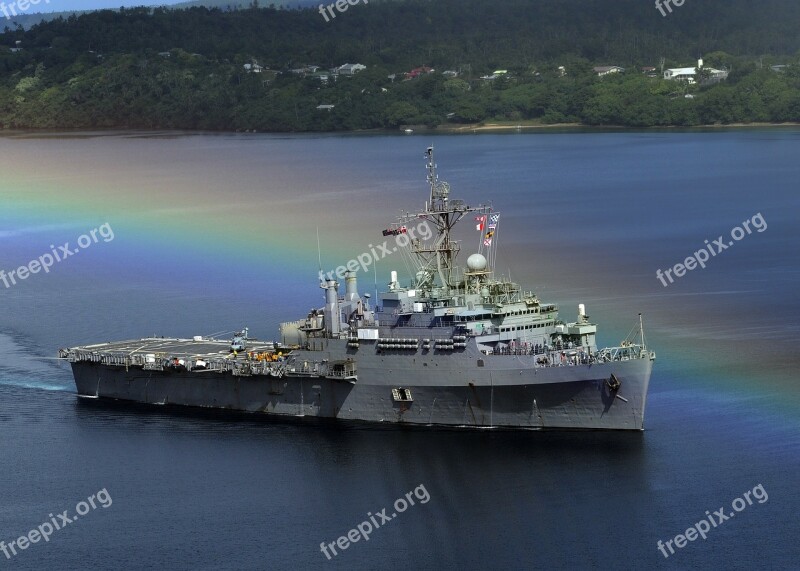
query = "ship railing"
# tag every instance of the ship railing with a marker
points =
(344, 370)
(80, 355)
(624, 352)
(116, 360)
(549, 356)
(537, 349)
(236, 367)
(566, 355)
(386, 323)
(156, 362)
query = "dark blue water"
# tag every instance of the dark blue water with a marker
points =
(586, 218)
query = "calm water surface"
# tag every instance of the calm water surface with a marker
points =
(215, 232)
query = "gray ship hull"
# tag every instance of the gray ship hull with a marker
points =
(501, 392)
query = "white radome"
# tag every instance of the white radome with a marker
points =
(476, 263)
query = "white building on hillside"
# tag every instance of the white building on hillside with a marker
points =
(689, 74)
(608, 69)
(350, 68)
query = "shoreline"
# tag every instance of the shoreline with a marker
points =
(488, 127)
(476, 128)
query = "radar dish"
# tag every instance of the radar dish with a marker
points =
(476, 263)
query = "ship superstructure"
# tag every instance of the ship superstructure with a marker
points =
(454, 346)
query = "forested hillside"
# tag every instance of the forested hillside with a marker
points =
(159, 68)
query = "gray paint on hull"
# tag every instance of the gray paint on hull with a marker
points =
(498, 395)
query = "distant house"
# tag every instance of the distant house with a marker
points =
(164, 54)
(681, 74)
(450, 73)
(305, 70)
(608, 69)
(689, 74)
(416, 72)
(325, 107)
(350, 68)
(716, 75)
(253, 68)
(781, 68)
(495, 75)
(562, 71)
(648, 69)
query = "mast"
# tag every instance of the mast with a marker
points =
(442, 213)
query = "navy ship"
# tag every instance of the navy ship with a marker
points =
(453, 347)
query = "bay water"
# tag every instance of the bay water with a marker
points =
(199, 234)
